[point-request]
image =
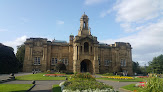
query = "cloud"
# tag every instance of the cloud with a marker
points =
(104, 13)
(3, 30)
(16, 42)
(146, 44)
(91, 2)
(60, 22)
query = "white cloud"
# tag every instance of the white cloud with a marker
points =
(91, 2)
(146, 44)
(137, 10)
(60, 22)
(16, 42)
(104, 13)
(3, 30)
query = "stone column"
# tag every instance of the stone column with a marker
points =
(95, 63)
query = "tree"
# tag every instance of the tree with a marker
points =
(20, 54)
(156, 65)
(8, 61)
(60, 66)
(136, 68)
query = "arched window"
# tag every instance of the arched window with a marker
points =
(84, 24)
(86, 47)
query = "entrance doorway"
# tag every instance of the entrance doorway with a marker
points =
(86, 66)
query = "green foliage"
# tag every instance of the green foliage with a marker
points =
(108, 74)
(56, 88)
(154, 84)
(156, 65)
(82, 76)
(136, 68)
(86, 84)
(8, 61)
(83, 81)
(20, 54)
(60, 66)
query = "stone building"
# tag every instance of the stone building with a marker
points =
(83, 53)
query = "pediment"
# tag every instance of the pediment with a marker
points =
(89, 39)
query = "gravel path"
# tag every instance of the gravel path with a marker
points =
(117, 85)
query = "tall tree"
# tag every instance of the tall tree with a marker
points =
(156, 65)
(8, 61)
(136, 68)
(20, 54)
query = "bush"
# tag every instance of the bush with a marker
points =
(154, 84)
(60, 66)
(86, 84)
(82, 76)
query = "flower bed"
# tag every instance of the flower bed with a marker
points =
(55, 75)
(84, 82)
(142, 76)
(117, 77)
(140, 84)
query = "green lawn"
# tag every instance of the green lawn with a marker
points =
(132, 88)
(39, 76)
(125, 80)
(14, 87)
(56, 88)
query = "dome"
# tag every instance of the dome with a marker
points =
(84, 16)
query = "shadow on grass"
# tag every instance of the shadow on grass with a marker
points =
(19, 91)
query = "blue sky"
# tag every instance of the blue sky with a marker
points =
(139, 22)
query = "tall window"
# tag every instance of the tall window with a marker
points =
(56, 61)
(99, 61)
(84, 24)
(36, 60)
(66, 61)
(123, 62)
(106, 62)
(86, 47)
(52, 61)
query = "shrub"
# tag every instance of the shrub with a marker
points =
(60, 66)
(86, 84)
(82, 76)
(154, 84)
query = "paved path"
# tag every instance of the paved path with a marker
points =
(116, 85)
(41, 86)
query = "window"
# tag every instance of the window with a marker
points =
(66, 61)
(52, 61)
(37, 61)
(86, 47)
(84, 24)
(99, 61)
(56, 61)
(123, 62)
(106, 62)
(63, 60)
(81, 48)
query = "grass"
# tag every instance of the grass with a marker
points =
(125, 80)
(14, 87)
(56, 88)
(39, 76)
(132, 88)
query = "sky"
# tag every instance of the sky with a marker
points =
(139, 22)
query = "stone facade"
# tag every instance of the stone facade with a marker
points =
(83, 53)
